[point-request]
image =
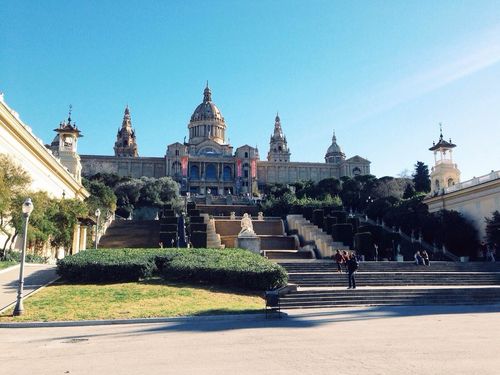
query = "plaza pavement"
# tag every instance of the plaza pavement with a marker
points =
(372, 340)
(35, 276)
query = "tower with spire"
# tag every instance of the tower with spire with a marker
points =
(444, 173)
(278, 147)
(334, 154)
(126, 144)
(64, 146)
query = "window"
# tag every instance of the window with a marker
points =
(246, 154)
(211, 172)
(194, 172)
(226, 174)
(176, 152)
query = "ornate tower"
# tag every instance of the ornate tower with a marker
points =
(444, 173)
(64, 146)
(278, 148)
(126, 144)
(334, 154)
(207, 122)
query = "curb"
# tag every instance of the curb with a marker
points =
(86, 323)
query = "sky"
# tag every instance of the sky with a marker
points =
(382, 74)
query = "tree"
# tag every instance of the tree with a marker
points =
(493, 228)
(14, 180)
(409, 191)
(421, 179)
(101, 196)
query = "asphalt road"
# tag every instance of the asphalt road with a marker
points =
(379, 340)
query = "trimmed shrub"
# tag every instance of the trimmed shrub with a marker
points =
(340, 215)
(168, 227)
(307, 212)
(363, 243)
(196, 219)
(329, 223)
(169, 239)
(115, 265)
(354, 221)
(198, 239)
(318, 216)
(198, 227)
(232, 267)
(169, 220)
(343, 233)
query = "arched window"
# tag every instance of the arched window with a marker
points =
(211, 172)
(436, 184)
(176, 168)
(226, 176)
(194, 172)
(451, 182)
(246, 154)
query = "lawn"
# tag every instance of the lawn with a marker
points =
(6, 263)
(144, 299)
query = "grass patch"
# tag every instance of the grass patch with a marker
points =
(143, 299)
(6, 264)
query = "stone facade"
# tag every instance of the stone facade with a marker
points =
(207, 164)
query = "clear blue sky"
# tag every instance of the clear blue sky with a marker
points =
(383, 74)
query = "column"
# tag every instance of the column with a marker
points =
(83, 237)
(75, 247)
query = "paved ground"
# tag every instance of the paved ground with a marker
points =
(379, 340)
(35, 276)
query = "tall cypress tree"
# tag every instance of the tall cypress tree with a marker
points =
(421, 178)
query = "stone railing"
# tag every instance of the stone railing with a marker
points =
(473, 182)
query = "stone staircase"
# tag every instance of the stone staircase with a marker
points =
(131, 234)
(311, 232)
(392, 283)
(213, 239)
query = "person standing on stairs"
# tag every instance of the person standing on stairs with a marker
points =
(352, 267)
(339, 259)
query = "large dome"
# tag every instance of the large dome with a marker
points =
(207, 110)
(334, 153)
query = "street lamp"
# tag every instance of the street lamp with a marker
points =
(97, 215)
(27, 209)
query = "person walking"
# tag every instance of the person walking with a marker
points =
(352, 267)
(339, 259)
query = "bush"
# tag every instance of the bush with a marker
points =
(343, 233)
(363, 243)
(115, 265)
(233, 267)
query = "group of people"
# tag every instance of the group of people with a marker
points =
(487, 252)
(422, 258)
(350, 262)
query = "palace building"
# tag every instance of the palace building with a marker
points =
(207, 164)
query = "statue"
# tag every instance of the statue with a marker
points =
(260, 216)
(246, 226)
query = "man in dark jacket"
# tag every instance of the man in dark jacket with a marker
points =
(352, 267)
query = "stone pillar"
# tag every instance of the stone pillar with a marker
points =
(83, 238)
(75, 247)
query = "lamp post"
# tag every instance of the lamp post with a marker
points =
(27, 209)
(97, 215)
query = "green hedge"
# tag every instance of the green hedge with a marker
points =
(233, 267)
(109, 265)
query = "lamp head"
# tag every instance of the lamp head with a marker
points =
(97, 212)
(27, 207)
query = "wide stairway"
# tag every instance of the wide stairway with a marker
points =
(275, 243)
(131, 234)
(392, 283)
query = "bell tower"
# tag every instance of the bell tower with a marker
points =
(126, 144)
(65, 146)
(444, 173)
(278, 148)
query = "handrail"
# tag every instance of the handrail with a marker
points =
(427, 246)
